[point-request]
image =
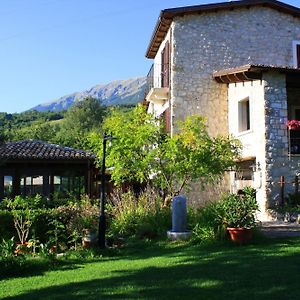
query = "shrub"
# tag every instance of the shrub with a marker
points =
(239, 209)
(140, 217)
(7, 229)
(31, 218)
(207, 222)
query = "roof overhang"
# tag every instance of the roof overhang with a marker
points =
(167, 15)
(255, 72)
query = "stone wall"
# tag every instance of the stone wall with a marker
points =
(217, 40)
(278, 161)
(202, 44)
(210, 42)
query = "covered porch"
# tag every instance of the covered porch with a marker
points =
(34, 167)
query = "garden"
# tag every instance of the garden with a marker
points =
(49, 248)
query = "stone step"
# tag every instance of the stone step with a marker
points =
(280, 229)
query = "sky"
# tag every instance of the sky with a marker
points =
(51, 48)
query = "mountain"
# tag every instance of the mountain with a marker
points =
(118, 92)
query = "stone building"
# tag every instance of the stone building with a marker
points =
(238, 64)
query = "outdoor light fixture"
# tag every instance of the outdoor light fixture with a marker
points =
(102, 221)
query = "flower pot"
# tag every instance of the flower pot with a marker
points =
(89, 239)
(22, 248)
(240, 235)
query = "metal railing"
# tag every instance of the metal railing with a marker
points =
(154, 77)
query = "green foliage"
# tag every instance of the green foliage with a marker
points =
(82, 118)
(23, 214)
(35, 219)
(69, 128)
(7, 229)
(239, 209)
(292, 199)
(7, 247)
(207, 222)
(132, 154)
(142, 152)
(141, 217)
(192, 155)
(29, 124)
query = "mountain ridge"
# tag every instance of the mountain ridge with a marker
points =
(117, 92)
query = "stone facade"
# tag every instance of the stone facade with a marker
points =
(209, 42)
(278, 161)
(212, 41)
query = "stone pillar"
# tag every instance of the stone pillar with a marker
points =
(277, 160)
(179, 214)
(179, 230)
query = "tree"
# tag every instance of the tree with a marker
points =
(132, 153)
(82, 118)
(143, 153)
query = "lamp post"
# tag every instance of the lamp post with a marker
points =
(102, 221)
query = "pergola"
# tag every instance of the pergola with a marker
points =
(32, 167)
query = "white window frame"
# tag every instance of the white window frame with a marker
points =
(241, 116)
(295, 60)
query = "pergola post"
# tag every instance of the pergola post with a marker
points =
(16, 184)
(46, 186)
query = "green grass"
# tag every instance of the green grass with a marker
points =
(264, 270)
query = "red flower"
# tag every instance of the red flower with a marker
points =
(293, 124)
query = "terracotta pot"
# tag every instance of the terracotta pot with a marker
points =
(240, 235)
(89, 239)
(22, 248)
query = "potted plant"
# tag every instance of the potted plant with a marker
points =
(239, 214)
(89, 230)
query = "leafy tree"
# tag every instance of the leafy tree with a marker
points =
(82, 118)
(30, 125)
(143, 153)
(132, 153)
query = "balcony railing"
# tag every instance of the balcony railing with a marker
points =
(157, 77)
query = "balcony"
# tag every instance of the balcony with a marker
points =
(157, 90)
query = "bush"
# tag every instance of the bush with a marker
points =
(7, 229)
(31, 218)
(232, 210)
(139, 217)
(239, 209)
(207, 222)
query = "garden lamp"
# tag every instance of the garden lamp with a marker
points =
(102, 221)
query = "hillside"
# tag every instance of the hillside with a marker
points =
(119, 92)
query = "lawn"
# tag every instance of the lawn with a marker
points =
(267, 269)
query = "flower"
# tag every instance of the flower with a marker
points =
(293, 124)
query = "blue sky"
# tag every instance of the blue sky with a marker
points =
(50, 48)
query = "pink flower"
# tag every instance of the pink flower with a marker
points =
(293, 124)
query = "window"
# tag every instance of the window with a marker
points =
(8, 183)
(295, 112)
(296, 54)
(245, 170)
(244, 115)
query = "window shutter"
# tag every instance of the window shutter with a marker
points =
(165, 65)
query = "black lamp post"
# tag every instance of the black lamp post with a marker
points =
(102, 221)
